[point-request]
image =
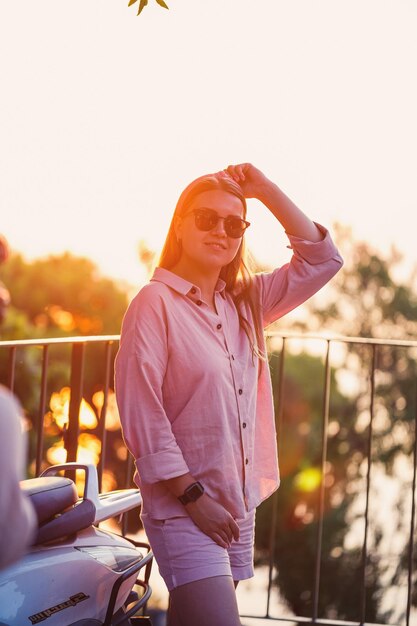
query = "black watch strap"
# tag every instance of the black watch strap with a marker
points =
(191, 493)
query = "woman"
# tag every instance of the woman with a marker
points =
(194, 391)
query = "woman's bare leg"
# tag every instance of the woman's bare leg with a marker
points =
(207, 602)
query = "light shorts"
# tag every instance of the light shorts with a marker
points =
(185, 554)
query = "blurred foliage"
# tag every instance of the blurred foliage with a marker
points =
(64, 296)
(67, 297)
(297, 500)
(144, 3)
(363, 300)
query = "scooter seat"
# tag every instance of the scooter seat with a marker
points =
(49, 495)
(68, 523)
(60, 512)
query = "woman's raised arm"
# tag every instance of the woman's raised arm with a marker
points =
(255, 184)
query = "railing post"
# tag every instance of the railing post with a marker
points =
(41, 412)
(76, 384)
(11, 368)
(326, 404)
(368, 485)
(272, 536)
(412, 523)
(102, 421)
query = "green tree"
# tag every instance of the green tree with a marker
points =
(62, 295)
(58, 296)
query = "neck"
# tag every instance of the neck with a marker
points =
(204, 278)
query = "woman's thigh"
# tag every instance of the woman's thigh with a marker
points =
(206, 602)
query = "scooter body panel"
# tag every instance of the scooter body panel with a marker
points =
(58, 584)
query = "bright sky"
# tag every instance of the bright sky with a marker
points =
(107, 116)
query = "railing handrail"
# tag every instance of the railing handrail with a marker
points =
(60, 340)
(370, 341)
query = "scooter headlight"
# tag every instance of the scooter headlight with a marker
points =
(116, 558)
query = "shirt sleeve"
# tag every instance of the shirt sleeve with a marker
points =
(312, 265)
(139, 374)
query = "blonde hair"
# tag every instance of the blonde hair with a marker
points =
(236, 274)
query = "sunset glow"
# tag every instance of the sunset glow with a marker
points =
(327, 120)
(112, 412)
(59, 405)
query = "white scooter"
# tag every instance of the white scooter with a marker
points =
(77, 574)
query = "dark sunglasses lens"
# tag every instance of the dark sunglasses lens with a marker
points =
(205, 220)
(234, 227)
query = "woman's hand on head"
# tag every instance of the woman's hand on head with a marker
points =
(213, 519)
(252, 181)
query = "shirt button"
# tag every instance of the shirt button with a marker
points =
(240, 391)
(193, 290)
(199, 302)
(219, 326)
(232, 357)
(246, 461)
(244, 425)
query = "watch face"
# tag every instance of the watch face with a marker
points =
(194, 492)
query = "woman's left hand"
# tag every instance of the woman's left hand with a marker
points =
(253, 182)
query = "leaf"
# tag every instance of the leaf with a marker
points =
(142, 5)
(162, 4)
(131, 2)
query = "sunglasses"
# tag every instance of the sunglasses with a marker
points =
(207, 219)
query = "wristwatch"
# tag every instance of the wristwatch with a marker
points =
(191, 493)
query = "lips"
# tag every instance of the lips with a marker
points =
(217, 245)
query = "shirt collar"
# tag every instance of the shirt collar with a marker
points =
(179, 284)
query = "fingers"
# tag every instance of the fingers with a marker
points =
(238, 172)
(225, 537)
(224, 534)
(235, 529)
(235, 172)
(221, 539)
(229, 532)
(231, 528)
(214, 520)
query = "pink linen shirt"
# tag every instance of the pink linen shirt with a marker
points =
(188, 390)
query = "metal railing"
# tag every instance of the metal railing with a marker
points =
(10, 349)
(77, 363)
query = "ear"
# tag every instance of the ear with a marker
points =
(178, 227)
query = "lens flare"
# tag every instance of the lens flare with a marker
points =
(308, 479)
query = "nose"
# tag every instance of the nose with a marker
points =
(219, 228)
